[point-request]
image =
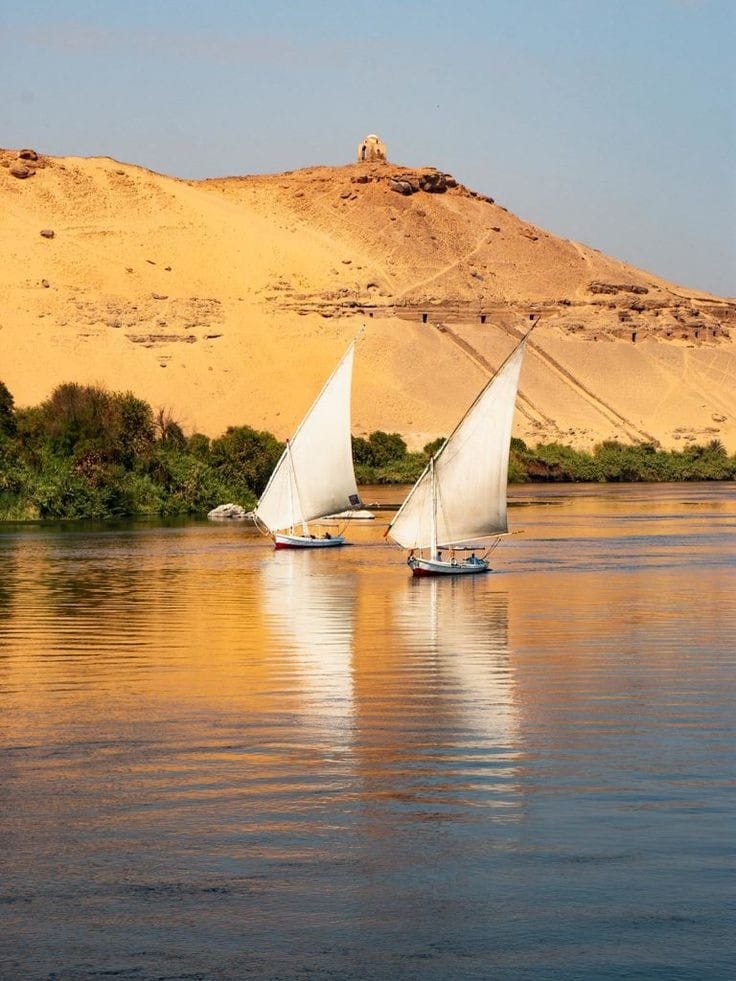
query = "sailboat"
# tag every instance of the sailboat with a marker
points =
(314, 476)
(460, 498)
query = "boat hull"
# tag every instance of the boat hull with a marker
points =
(436, 567)
(305, 541)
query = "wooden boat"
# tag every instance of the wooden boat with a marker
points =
(314, 476)
(459, 500)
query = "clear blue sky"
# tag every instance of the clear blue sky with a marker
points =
(609, 121)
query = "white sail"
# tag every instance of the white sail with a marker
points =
(470, 473)
(314, 476)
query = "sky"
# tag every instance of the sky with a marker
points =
(612, 122)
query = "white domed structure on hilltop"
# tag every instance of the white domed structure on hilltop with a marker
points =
(372, 148)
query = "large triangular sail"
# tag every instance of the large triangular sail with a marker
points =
(314, 476)
(462, 496)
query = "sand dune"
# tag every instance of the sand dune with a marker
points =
(228, 301)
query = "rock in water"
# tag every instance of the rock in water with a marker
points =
(227, 512)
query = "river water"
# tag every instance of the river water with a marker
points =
(222, 762)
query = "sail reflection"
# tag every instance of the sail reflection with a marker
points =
(311, 609)
(440, 691)
(463, 626)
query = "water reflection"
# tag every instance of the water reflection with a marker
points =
(9, 576)
(463, 626)
(260, 764)
(310, 609)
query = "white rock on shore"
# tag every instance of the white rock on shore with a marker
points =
(228, 512)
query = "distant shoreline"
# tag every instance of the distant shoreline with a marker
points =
(90, 454)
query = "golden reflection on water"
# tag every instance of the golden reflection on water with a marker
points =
(461, 627)
(184, 709)
(310, 614)
(210, 616)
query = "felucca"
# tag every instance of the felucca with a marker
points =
(314, 476)
(460, 499)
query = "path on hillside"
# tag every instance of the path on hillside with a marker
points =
(611, 415)
(526, 406)
(418, 284)
(695, 377)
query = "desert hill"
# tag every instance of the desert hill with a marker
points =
(228, 301)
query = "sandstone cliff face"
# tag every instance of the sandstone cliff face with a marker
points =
(229, 300)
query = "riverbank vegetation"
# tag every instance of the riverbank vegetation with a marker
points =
(610, 461)
(90, 453)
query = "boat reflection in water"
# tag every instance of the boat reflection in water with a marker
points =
(455, 637)
(413, 692)
(464, 627)
(310, 608)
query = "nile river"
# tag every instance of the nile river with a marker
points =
(222, 762)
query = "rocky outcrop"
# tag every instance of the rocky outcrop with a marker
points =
(432, 182)
(402, 186)
(21, 163)
(612, 288)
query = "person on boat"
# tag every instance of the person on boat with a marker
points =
(328, 535)
(439, 554)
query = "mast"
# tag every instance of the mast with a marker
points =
(433, 480)
(291, 481)
(291, 486)
(314, 476)
(470, 470)
(294, 486)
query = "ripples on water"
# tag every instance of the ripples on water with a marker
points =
(223, 762)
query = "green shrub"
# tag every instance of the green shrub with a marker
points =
(7, 412)
(87, 419)
(245, 457)
(199, 446)
(386, 448)
(433, 448)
